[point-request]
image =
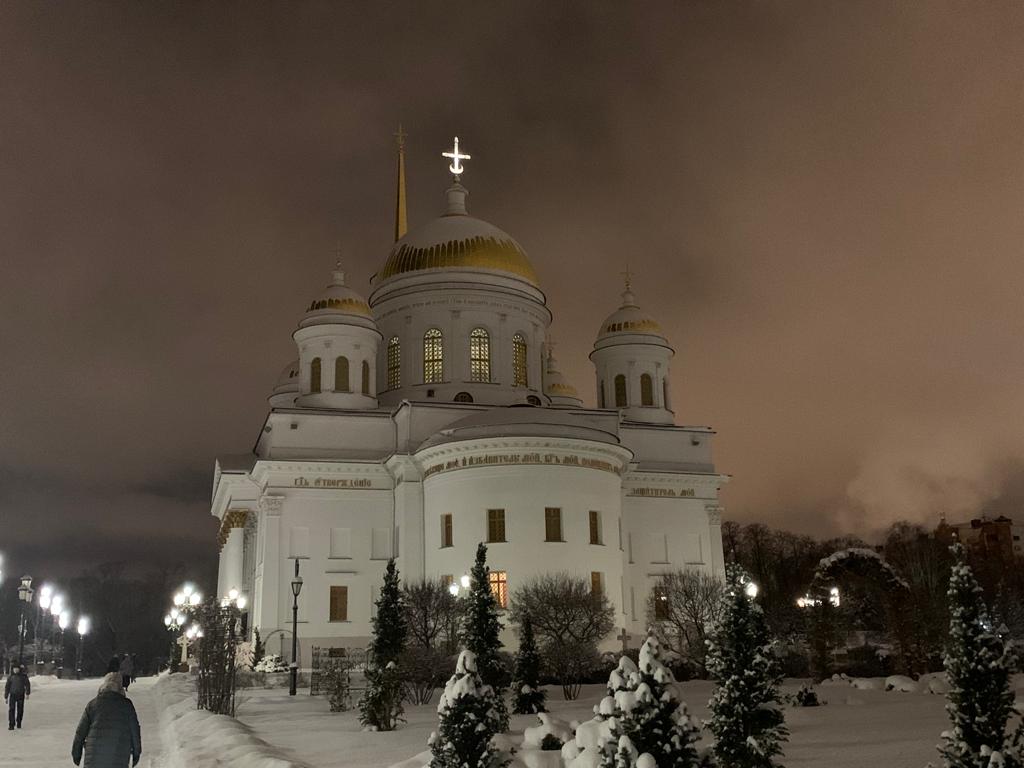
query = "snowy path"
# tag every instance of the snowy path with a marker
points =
(51, 716)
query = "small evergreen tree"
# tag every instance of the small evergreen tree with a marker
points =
(746, 717)
(978, 667)
(481, 629)
(648, 718)
(528, 697)
(259, 650)
(468, 719)
(380, 707)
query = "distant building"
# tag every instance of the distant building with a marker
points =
(994, 537)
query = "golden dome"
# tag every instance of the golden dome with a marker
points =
(456, 240)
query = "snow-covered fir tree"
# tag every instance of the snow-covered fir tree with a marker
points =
(481, 629)
(468, 719)
(528, 696)
(746, 715)
(646, 717)
(380, 707)
(978, 667)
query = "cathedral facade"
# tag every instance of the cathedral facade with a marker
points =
(431, 416)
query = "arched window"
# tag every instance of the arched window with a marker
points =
(519, 373)
(620, 391)
(366, 378)
(341, 375)
(479, 355)
(463, 397)
(394, 363)
(665, 402)
(600, 395)
(433, 357)
(314, 375)
(646, 389)
(533, 400)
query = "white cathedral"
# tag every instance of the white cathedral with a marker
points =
(431, 417)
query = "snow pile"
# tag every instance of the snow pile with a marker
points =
(549, 726)
(901, 684)
(194, 737)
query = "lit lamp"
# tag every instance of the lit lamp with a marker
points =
(83, 630)
(296, 589)
(465, 581)
(25, 593)
(751, 590)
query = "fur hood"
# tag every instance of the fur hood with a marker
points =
(111, 684)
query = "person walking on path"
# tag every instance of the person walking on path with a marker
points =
(127, 671)
(108, 735)
(16, 690)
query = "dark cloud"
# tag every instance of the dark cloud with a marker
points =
(821, 202)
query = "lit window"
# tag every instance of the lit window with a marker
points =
(646, 390)
(495, 525)
(341, 375)
(595, 527)
(314, 375)
(446, 530)
(339, 604)
(366, 378)
(552, 524)
(447, 580)
(661, 608)
(479, 355)
(620, 391)
(433, 357)
(394, 363)
(499, 587)
(519, 372)
(596, 583)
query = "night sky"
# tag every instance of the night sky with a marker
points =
(820, 201)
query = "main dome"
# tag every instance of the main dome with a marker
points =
(458, 241)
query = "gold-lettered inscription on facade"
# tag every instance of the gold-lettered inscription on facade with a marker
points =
(663, 493)
(332, 482)
(512, 459)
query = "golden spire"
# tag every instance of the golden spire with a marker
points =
(401, 224)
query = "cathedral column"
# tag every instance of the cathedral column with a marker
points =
(270, 609)
(714, 512)
(232, 536)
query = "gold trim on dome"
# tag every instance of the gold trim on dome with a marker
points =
(355, 306)
(563, 389)
(632, 325)
(475, 252)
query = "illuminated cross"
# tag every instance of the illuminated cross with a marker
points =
(457, 157)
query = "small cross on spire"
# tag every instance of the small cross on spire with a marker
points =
(400, 137)
(628, 276)
(456, 157)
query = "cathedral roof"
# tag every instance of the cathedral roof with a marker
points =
(457, 241)
(527, 421)
(337, 303)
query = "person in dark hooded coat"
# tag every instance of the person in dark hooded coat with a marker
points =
(108, 734)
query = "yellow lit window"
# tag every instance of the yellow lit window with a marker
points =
(446, 530)
(479, 355)
(341, 374)
(433, 357)
(520, 377)
(499, 587)
(394, 363)
(595, 527)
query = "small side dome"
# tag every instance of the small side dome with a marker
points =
(557, 388)
(337, 303)
(629, 320)
(287, 387)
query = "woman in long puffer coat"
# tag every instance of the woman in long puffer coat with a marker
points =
(108, 734)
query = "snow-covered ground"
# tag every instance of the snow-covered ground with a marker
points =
(860, 726)
(856, 729)
(51, 716)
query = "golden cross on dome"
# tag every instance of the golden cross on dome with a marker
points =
(456, 166)
(628, 277)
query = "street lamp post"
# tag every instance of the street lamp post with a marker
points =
(45, 596)
(25, 593)
(296, 588)
(83, 630)
(63, 621)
